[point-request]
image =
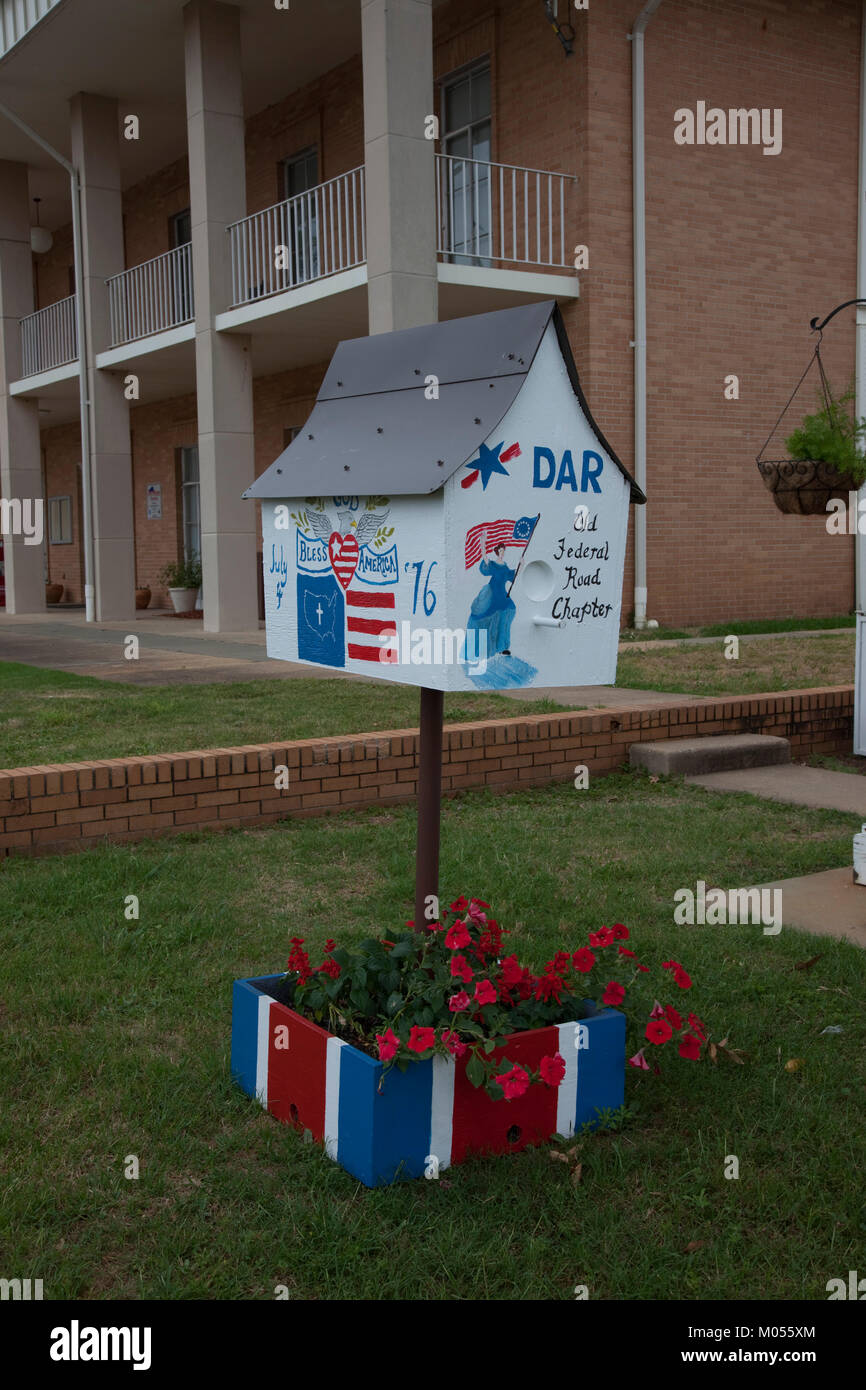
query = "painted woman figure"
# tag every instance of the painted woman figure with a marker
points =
(492, 609)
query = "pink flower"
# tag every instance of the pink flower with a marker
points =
(638, 1060)
(420, 1039)
(584, 960)
(475, 914)
(458, 1002)
(673, 1017)
(457, 936)
(614, 994)
(485, 992)
(514, 1083)
(552, 1069)
(453, 1043)
(461, 967)
(388, 1045)
(657, 1010)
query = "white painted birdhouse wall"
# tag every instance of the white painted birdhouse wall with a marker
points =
(560, 466)
(393, 587)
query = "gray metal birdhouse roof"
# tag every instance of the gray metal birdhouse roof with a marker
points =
(373, 429)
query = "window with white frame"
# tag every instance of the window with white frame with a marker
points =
(191, 512)
(60, 520)
(465, 199)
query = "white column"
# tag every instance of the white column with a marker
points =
(96, 155)
(20, 457)
(215, 125)
(397, 52)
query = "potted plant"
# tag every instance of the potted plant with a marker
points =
(53, 593)
(824, 460)
(182, 578)
(142, 596)
(409, 1053)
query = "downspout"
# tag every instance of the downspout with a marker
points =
(639, 344)
(860, 341)
(81, 329)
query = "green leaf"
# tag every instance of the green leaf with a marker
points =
(475, 1072)
(402, 950)
(393, 1004)
(425, 1017)
(489, 1045)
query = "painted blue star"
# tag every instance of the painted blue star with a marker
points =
(487, 463)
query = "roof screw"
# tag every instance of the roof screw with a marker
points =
(511, 356)
(279, 470)
(491, 384)
(477, 421)
(440, 463)
(520, 360)
(378, 429)
(309, 436)
(417, 371)
(345, 467)
(339, 383)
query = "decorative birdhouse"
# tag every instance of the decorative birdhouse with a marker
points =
(450, 516)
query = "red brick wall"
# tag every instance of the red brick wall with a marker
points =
(148, 207)
(44, 809)
(743, 249)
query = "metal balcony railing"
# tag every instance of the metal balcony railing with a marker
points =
(49, 338)
(488, 213)
(305, 238)
(151, 297)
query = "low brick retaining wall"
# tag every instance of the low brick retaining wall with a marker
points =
(76, 805)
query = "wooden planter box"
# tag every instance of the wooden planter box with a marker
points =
(315, 1081)
(804, 487)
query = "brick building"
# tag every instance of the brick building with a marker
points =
(257, 182)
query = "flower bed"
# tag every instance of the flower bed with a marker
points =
(382, 1054)
(381, 1128)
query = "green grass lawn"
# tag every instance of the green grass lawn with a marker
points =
(777, 663)
(115, 1041)
(52, 717)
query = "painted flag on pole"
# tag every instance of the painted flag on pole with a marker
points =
(502, 532)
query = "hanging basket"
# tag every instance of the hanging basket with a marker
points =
(803, 487)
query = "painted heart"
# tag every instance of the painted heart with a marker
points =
(343, 553)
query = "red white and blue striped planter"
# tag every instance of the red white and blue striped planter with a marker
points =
(307, 1077)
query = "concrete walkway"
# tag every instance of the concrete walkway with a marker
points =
(790, 782)
(827, 903)
(177, 651)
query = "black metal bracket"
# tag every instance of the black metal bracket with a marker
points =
(564, 32)
(816, 326)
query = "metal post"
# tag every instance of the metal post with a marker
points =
(429, 801)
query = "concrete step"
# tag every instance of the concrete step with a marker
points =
(715, 753)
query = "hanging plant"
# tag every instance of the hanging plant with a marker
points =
(831, 436)
(823, 460)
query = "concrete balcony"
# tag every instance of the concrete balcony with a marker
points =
(152, 298)
(49, 338)
(503, 233)
(49, 361)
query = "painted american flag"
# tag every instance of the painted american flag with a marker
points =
(502, 532)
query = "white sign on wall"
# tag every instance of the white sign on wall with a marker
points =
(154, 501)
